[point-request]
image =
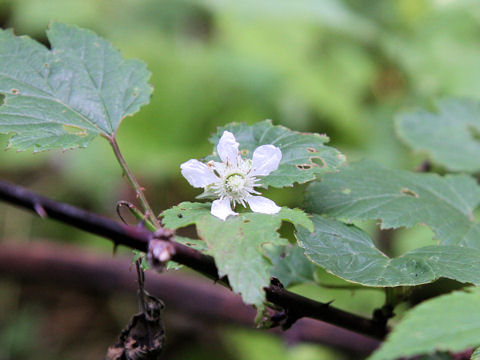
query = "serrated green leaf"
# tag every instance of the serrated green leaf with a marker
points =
(476, 354)
(64, 97)
(137, 254)
(238, 251)
(184, 214)
(140, 255)
(450, 135)
(439, 355)
(290, 265)
(447, 323)
(196, 244)
(304, 155)
(188, 213)
(348, 252)
(237, 243)
(365, 190)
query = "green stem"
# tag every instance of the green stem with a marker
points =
(345, 287)
(137, 214)
(133, 181)
(390, 297)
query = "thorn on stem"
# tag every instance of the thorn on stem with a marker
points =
(327, 304)
(141, 224)
(275, 282)
(139, 192)
(40, 210)
(382, 315)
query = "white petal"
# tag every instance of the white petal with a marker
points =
(265, 159)
(221, 209)
(227, 148)
(262, 205)
(197, 173)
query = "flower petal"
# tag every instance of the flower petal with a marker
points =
(227, 148)
(265, 159)
(262, 205)
(197, 173)
(221, 208)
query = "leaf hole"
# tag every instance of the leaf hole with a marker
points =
(409, 192)
(304, 166)
(317, 161)
(180, 216)
(474, 132)
(312, 150)
(15, 91)
(75, 130)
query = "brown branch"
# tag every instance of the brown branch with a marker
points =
(139, 238)
(72, 267)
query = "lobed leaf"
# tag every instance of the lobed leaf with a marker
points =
(304, 155)
(397, 198)
(448, 323)
(348, 252)
(450, 135)
(237, 243)
(195, 244)
(290, 265)
(66, 96)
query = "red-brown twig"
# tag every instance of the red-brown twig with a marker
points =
(72, 267)
(138, 238)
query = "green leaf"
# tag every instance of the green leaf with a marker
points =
(237, 243)
(436, 356)
(348, 252)
(448, 323)
(188, 213)
(137, 254)
(64, 97)
(304, 155)
(397, 198)
(290, 265)
(140, 255)
(184, 214)
(476, 354)
(195, 244)
(450, 135)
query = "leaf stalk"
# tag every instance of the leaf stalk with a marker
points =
(133, 182)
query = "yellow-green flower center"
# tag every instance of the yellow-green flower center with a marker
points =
(235, 184)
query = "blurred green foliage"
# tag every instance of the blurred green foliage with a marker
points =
(341, 67)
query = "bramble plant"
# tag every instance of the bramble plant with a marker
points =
(63, 97)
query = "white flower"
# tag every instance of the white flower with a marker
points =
(233, 179)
